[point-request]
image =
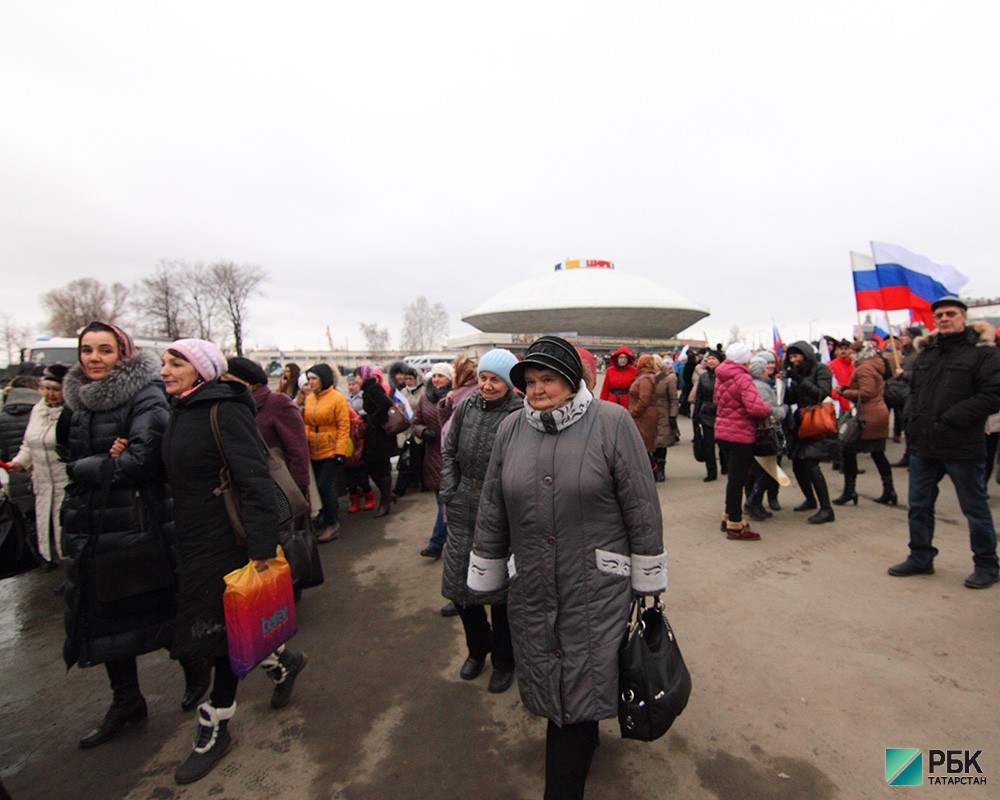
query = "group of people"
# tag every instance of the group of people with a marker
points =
(548, 518)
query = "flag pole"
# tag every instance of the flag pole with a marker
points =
(884, 311)
(895, 343)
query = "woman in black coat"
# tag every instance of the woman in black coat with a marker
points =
(207, 548)
(379, 446)
(114, 501)
(810, 384)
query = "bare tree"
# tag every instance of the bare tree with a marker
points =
(734, 334)
(376, 338)
(236, 284)
(425, 326)
(81, 301)
(14, 337)
(162, 301)
(201, 302)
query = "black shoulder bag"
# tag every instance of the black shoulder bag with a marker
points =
(653, 681)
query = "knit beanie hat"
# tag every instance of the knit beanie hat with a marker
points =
(499, 362)
(550, 352)
(443, 369)
(205, 357)
(323, 372)
(716, 354)
(247, 370)
(54, 373)
(767, 355)
(738, 352)
(914, 331)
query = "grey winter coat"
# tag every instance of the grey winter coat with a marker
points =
(564, 521)
(130, 403)
(465, 459)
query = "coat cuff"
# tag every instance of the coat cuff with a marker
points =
(486, 574)
(649, 573)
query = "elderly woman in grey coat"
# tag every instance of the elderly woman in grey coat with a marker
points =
(465, 458)
(569, 522)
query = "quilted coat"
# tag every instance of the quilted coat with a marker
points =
(129, 402)
(13, 423)
(48, 474)
(206, 547)
(571, 523)
(328, 424)
(466, 456)
(738, 405)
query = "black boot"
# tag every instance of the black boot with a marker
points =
(847, 496)
(755, 507)
(211, 743)
(121, 713)
(659, 473)
(888, 497)
(821, 516)
(197, 678)
(825, 513)
(290, 664)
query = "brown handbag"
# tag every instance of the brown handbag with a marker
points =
(395, 421)
(288, 497)
(817, 421)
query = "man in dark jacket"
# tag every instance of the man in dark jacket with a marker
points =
(955, 386)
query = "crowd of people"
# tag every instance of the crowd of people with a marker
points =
(548, 516)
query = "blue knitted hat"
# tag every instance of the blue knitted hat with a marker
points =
(498, 362)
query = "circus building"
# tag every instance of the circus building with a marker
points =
(590, 301)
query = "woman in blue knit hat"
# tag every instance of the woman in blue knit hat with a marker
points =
(466, 456)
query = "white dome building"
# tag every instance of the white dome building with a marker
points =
(589, 298)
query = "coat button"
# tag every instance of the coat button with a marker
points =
(547, 480)
(558, 653)
(566, 717)
(551, 540)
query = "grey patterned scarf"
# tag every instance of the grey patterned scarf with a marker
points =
(562, 417)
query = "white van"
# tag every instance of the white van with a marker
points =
(425, 362)
(47, 350)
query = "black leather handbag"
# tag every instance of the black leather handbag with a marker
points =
(653, 681)
(770, 439)
(302, 553)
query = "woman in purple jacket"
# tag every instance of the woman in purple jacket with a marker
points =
(738, 408)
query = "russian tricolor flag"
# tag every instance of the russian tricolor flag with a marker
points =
(896, 278)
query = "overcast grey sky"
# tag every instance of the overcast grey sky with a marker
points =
(366, 153)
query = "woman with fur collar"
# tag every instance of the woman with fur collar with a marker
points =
(115, 395)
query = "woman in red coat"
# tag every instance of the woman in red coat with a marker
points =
(619, 377)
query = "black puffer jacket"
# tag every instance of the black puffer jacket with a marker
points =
(466, 458)
(955, 387)
(129, 403)
(13, 422)
(206, 547)
(811, 383)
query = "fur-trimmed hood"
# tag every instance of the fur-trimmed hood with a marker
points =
(985, 336)
(126, 377)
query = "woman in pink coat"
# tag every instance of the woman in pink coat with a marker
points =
(738, 409)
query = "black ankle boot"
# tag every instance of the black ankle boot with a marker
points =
(821, 516)
(846, 497)
(807, 505)
(121, 713)
(772, 502)
(211, 743)
(888, 497)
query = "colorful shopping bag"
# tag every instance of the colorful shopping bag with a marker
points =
(260, 612)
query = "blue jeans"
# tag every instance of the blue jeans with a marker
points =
(440, 534)
(969, 479)
(327, 472)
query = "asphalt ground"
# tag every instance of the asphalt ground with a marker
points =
(807, 660)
